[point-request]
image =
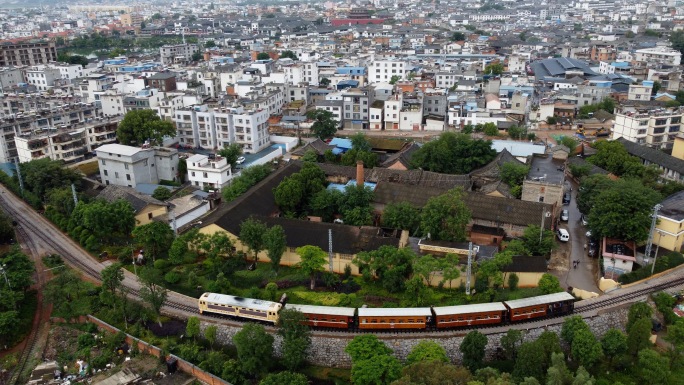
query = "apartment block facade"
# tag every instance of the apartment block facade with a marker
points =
(129, 166)
(656, 128)
(27, 54)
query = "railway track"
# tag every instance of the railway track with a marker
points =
(189, 308)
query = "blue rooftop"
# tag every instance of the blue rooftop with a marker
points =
(344, 144)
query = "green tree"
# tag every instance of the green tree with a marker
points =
(638, 336)
(513, 174)
(394, 79)
(654, 368)
(558, 373)
(296, 338)
(285, 378)
(210, 334)
(393, 266)
(161, 193)
(530, 361)
(139, 126)
(614, 343)
(433, 372)
(613, 156)
(381, 370)
(586, 348)
(192, 328)
(326, 204)
(677, 40)
(491, 270)
(638, 311)
(623, 211)
(275, 244)
(105, 221)
(252, 234)
(517, 132)
(324, 82)
(112, 277)
(68, 294)
(446, 216)
(324, 125)
(494, 69)
(254, 349)
(289, 54)
(473, 349)
(355, 206)
(151, 292)
(458, 36)
(263, 56)
(312, 260)
(402, 215)
(590, 187)
(416, 293)
(156, 236)
(209, 44)
(182, 170)
(366, 347)
(231, 152)
(571, 325)
(549, 284)
(42, 175)
(675, 336)
(453, 154)
(511, 342)
(427, 350)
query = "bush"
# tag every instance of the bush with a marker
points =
(665, 262)
(664, 303)
(86, 340)
(172, 277)
(513, 281)
(161, 264)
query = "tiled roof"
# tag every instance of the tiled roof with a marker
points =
(673, 206)
(112, 193)
(653, 156)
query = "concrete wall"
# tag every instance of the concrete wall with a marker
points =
(144, 347)
(289, 142)
(276, 153)
(327, 348)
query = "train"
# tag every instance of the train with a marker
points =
(432, 318)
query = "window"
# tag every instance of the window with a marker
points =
(105, 173)
(149, 215)
(104, 162)
(128, 176)
(193, 173)
(116, 175)
(126, 166)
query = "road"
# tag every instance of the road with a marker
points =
(585, 275)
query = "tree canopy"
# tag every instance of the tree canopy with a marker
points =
(324, 125)
(312, 260)
(473, 349)
(231, 152)
(254, 348)
(42, 175)
(453, 154)
(139, 126)
(446, 216)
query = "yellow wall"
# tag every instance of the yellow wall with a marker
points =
(143, 218)
(678, 147)
(669, 234)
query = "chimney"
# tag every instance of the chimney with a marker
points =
(359, 173)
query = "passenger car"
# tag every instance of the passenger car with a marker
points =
(563, 235)
(565, 215)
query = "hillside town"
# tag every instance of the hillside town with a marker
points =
(357, 155)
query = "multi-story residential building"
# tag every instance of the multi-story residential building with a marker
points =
(640, 91)
(129, 166)
(142, 100)
(375, 121)
(653, 127)
(66, 144)
(435, 104)
(205, 172)
(669, 231)
(42, 77)
(659, 55)
(12, 104)
(356, 103)
(75, 115)
(27, 54)
(447, 79)
(333, 106)
(10, 78)
(70, 71)
(177, 53)
(411, 114)
(93, 86)
(163, 81)
(270, 100)
(393, 107)
(384, 70)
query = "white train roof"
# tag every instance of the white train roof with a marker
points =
(467, 309)
(229, 300)
(327, 310)
(399, 312)
(540, 300)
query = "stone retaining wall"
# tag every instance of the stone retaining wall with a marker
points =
(327, 349)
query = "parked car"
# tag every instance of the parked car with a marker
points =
(565, 215)
(588, 234)
(566, 198)
(240, 160)
(563, 235)
(584, 220)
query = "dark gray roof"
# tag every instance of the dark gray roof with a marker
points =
(526, 264)
(653, 156)
(112, 193)
(673, 206)
(557, 67)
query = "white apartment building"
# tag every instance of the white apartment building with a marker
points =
(128, 166)
(446, 79)
(177, 53)
(392, 110)
(659, 54)
(383, 70)
(204, 172)
(42, 77)
(199, 126)
(656, 127)
(640, 91)
(332, 106)
(93, 86)
(71, 71)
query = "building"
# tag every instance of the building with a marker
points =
(128, 166)
(177, 53)
(384, 70)
(545, 182)
(356, 104)
(42, 77)
(10, 78)
(669, 232)
(672, 168)
(163, 81)
(205, 172)
(649, 126)
(27, 54)
(659, 55)
(146, 208)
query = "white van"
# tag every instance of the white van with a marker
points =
(563, 235)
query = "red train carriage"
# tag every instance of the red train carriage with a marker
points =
(326, 316)
(469, 315)
(394, 318)
(535, 307)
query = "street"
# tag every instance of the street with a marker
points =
(585, 275)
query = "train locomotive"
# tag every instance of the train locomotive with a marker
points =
(437, 317)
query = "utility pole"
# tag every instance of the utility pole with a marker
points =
(469, 270)
(330, 249)
(3, 271)
(173, 222)
(21, 180)
(541, 230)
(649, 243)
(73, 193)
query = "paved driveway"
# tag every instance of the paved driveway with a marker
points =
(585, 275)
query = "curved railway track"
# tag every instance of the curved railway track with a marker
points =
(183, 306)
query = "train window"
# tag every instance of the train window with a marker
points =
(363, 320)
